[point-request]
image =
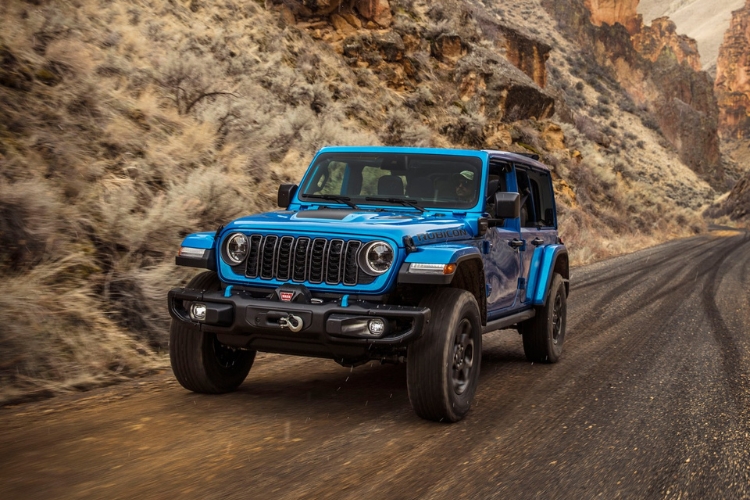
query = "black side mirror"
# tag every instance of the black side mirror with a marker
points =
(507, 205)
(286, 193)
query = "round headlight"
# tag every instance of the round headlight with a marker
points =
(376, 258)
(236, 249)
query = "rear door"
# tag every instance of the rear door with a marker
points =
(538, 217)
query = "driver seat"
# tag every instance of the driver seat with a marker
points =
(390, 185)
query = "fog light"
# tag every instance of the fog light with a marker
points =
(376, 326)
(198, 312)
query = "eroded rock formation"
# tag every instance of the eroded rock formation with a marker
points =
(651, 41)
(527, 54)
(732, 84)
(615, 11)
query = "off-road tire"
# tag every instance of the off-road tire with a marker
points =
(544, 334)
(199, 362)
(441, 388)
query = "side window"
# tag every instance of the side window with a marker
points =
(537, 202)
(544, 205)
(496, 181)
(527, 197)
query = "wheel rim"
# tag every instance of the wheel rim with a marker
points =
(463, 357)
(226, 356)
(557, 317)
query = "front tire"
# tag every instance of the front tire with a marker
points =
(442, 367)
(199, 361)
(544, 334)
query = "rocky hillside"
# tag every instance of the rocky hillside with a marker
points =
(126, 125)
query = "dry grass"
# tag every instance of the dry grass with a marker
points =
(126, 125)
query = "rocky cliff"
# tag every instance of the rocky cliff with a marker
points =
(615, 11)
(662, 79)
(733, 77)
(652, 40)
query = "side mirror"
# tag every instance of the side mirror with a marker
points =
(507, 205)
(286, 193)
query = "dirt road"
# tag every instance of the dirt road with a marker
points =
(650, 399)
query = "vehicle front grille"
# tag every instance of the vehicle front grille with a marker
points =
(314, 260)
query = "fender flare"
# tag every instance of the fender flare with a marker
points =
(543, 265)
(200, 241)
(437, 254)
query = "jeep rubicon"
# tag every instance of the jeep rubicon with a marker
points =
(390, 254)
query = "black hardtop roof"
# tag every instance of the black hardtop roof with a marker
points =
(515, 157)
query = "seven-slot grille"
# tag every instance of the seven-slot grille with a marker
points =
(315, 260)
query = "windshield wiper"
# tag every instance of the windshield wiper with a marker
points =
(400, 201)
(333, 197)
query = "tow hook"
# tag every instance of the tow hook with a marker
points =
(294, 323)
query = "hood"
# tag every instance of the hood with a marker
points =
(427, 227)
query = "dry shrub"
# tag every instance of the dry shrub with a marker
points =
(31, 221)
(72, 54)
(56, 336)
(403, 128)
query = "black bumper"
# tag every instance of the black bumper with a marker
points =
(329, 329)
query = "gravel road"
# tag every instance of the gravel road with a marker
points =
(650, 399)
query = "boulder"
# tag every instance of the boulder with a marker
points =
(377, 11)
(447, 47)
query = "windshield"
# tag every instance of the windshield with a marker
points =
(418, 180)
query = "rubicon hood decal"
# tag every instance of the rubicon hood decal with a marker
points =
(441, 235)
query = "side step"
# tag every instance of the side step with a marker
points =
(501, 323)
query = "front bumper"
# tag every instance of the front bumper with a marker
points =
(334, 329)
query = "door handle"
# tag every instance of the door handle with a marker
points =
(537, 241)
(516, 243)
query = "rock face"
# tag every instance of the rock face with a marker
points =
(662, 80)
(378, 11)
(651, 41)
(732, 84)
(527, 54)
(737, 205)
(375, 11)
(436, 69)
(615, 11)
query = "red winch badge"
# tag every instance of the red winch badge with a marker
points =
(286, 296)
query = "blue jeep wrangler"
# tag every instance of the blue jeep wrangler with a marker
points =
(391, 254)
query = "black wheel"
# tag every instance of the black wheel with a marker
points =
(544, 334)
(442, 367)
(199, 361)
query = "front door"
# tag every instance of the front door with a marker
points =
(502, 264)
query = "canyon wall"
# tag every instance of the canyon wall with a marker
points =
(657, 69)
(732, 84)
